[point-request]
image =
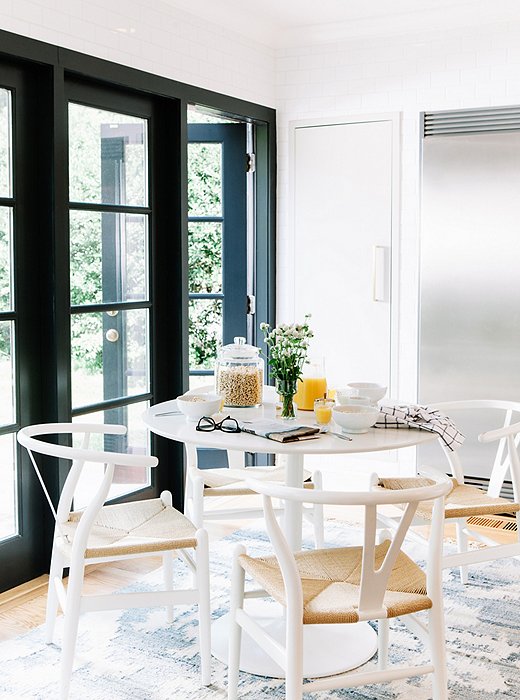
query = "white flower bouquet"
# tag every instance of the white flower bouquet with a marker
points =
(287, 353)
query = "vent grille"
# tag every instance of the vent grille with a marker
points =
(472, 121)
(507, 523)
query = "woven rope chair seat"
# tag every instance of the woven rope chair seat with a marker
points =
(230, 482)
(462, 502)
(331, 580)
(134, 528)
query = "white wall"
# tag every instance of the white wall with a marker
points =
(152, 36)
(470, 68)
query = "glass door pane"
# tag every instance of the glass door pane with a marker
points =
(109, 280)
(108, 257)
(108, 157)
(217, 241)
(6, 145)
(9, 522)
(8, 491)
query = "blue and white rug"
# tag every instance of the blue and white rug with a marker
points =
(136, 655)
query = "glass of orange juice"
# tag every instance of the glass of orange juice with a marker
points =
(323, 411)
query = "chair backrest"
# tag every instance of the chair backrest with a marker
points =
(31, 438)
(374, 581)
(511, 435)
(506, 454)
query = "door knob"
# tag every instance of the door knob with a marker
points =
(112, 335)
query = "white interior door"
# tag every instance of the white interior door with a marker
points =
(343, 194)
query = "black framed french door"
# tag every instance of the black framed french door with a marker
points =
(24, 316)
(91, 327)
(112, 235)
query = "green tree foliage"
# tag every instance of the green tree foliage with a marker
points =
(205, 252)
(85, 242)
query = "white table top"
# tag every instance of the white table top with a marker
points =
(177, 428)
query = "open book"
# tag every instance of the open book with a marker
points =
(274, 430)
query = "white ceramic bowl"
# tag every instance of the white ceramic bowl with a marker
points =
(355, 419)
(374, 392)
(195, 405)
(343, 399)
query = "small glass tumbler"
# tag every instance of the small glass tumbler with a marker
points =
(323, 411)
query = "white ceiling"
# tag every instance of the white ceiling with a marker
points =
(281, 23)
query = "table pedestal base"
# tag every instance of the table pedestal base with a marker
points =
(327, 649)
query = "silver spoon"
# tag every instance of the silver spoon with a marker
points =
(341, 437)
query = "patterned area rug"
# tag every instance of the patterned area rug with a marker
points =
(136, 655)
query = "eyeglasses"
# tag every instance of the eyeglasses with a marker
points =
(228, 425)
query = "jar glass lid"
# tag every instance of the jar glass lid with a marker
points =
(239, 350)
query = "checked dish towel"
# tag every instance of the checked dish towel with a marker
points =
(423, 418)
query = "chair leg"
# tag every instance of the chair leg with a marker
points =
(462, 546)
(70, 626)
(518, 528)
(202, 558)
(188, 497)
(383, 633)
(438, 652)
(235, 632)
(294, 657)
(56, 572)
(167, 562)
(318, 512)
(197, 494)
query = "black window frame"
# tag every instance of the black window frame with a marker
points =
(49, 69)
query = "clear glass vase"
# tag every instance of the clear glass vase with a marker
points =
(286, 389)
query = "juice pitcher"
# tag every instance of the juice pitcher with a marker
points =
(312, 385)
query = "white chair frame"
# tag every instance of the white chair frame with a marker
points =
(372, 589)
(196, 492)
(71, 598)
(506, 461)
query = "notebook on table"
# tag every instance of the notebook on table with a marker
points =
(274, 430)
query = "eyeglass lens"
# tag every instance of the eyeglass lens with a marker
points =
(229, 425)
(206, 423)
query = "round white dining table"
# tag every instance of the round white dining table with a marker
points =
(328, 649)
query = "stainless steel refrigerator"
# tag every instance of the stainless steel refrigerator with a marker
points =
(470, 274)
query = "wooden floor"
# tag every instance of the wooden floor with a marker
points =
(23, 608)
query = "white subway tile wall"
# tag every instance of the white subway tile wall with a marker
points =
(153, 36)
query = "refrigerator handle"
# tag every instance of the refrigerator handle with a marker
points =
(379, 273)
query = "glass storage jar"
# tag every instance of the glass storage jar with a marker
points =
(239, 374)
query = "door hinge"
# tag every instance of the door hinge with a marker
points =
(251, 304)
(250, 162)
